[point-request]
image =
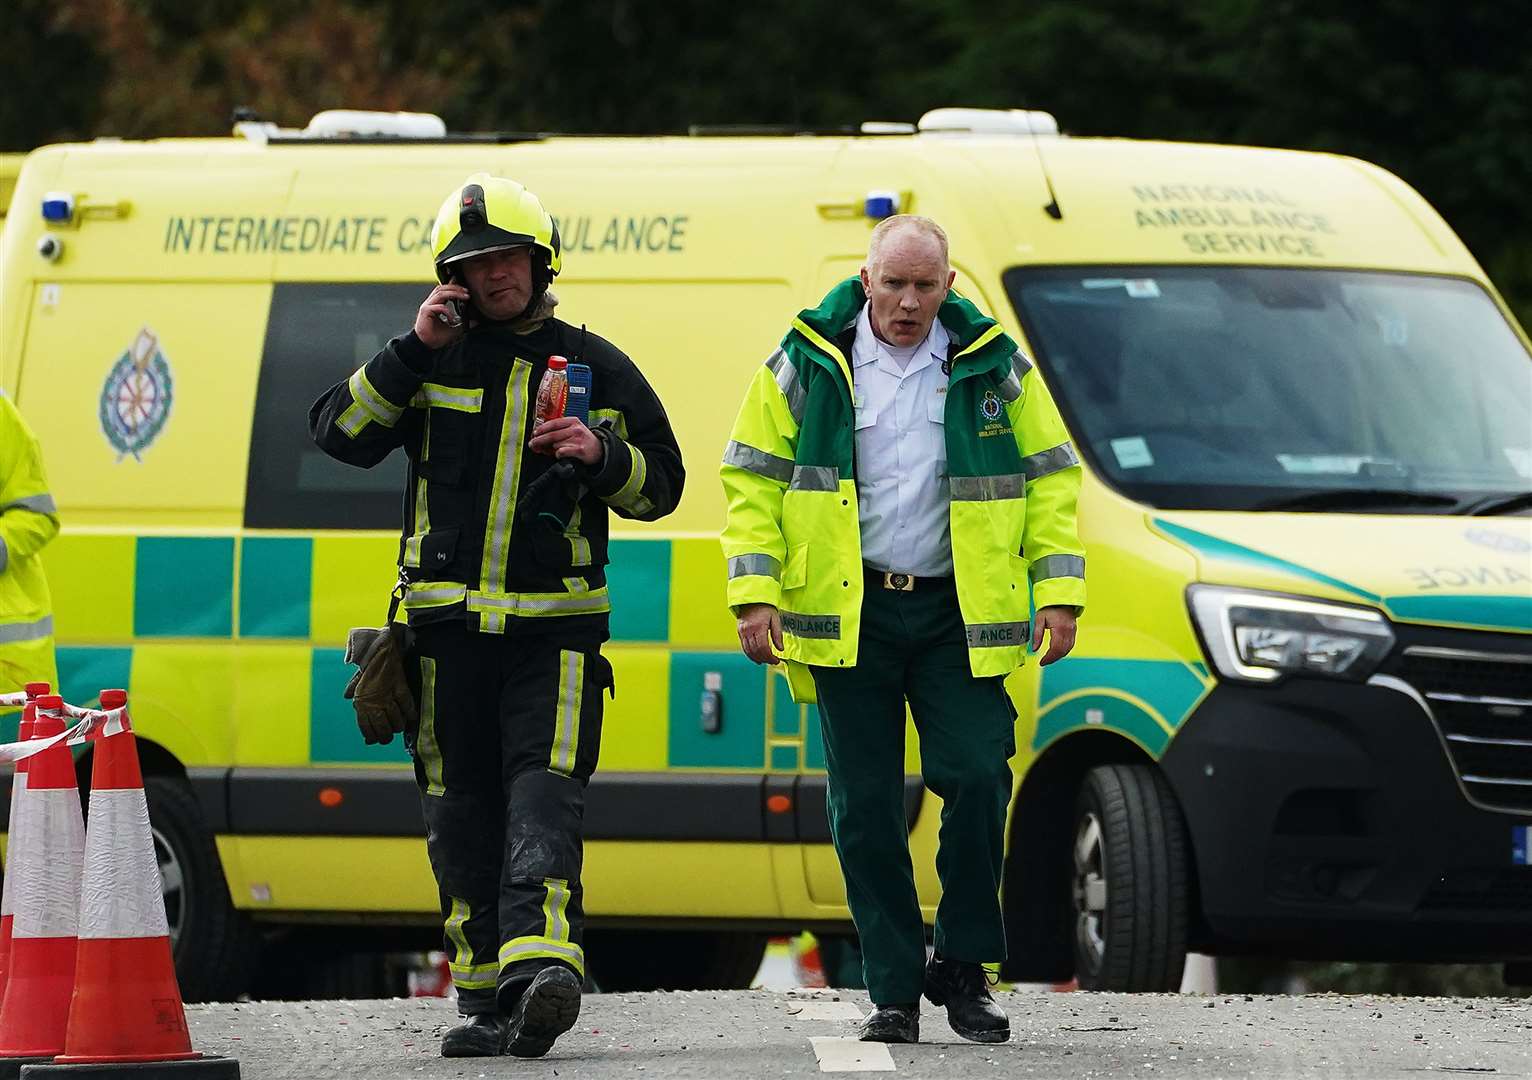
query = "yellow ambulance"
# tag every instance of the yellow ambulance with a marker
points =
(1299, 717)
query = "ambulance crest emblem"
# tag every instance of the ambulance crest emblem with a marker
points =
(135, 402)
(990, 406)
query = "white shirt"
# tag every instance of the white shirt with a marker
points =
(901, 453)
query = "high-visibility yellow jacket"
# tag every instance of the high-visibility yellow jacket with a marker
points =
(792, 538)
(28, 520)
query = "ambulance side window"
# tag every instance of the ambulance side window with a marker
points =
(316, 336)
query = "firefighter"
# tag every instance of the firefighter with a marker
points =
(504, 594)
(28, 520)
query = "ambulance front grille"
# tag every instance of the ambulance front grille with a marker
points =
(1483, 703)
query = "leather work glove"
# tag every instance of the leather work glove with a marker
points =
(379, 691)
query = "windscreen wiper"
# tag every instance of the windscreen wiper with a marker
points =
(1354, 499)
(1496, 504)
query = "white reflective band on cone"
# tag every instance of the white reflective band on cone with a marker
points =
(8, 890)
(90, 721)
(48, 886)
(121, 896)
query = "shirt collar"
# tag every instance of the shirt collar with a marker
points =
(868, 349)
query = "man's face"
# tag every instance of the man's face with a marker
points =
(905, 286)
(500, 282)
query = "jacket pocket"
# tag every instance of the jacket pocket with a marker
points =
(795, 571)
(438, 548)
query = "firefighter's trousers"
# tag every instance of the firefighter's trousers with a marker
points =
(509, 732)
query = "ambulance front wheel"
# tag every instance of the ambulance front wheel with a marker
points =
(1131, 882)
(212, 943)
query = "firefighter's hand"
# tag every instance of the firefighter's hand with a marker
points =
(760, 628)
(435, 323)
(1060, 624)
(567, 437)
(379, 690)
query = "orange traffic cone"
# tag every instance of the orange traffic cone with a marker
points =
(18, 787)
(48, 855)
(127, 1007)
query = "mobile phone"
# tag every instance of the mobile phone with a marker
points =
(456, 307)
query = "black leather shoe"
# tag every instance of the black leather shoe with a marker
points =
(547, 1008)
(892, 1024)
(477, 1036)
(964, 989)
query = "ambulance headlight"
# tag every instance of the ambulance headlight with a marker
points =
(1260, 637)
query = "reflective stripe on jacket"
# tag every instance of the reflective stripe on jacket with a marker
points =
(28, 520)
(792, 537)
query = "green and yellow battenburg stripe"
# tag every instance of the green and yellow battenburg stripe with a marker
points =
(232, 647)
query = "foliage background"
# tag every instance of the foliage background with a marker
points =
(1439, 92)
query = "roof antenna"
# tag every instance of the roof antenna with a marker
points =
(1051, 207)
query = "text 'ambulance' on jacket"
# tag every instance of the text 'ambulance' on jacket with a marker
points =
(793, 537)
(464, 414)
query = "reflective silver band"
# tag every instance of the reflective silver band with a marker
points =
(5, 555)
(758, 461)
(1041, 464)
(11, 633)
(815, 478)
(1010, 386)
(434, 595)
(988, 488)
(507, 482)
(789, 383)
(822, 627)
(589, 603)
(754, 566)
(448, 397)
(997, 635)
(376, 405)
(1057, 566)
(542, 948)
(38, 504)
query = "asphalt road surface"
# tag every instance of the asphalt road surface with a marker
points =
(760, 1033)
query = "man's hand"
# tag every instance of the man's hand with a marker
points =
(760, 628)
(568, 437)
(1060, 624)
(435, 324)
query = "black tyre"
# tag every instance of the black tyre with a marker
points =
(212, 943)
(641, 960)
(1131, 883)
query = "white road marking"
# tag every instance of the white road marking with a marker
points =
(823, 1010)
(851, 1055)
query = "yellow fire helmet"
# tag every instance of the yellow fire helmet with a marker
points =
(491, 213)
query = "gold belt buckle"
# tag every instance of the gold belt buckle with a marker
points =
(899, 582)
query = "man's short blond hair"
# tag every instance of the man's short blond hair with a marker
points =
(890, 225)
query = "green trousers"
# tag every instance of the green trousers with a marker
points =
(914, 648)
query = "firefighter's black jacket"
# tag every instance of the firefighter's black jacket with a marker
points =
(473, 544)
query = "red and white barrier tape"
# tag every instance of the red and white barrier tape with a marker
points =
(16, 700)
(89, 724)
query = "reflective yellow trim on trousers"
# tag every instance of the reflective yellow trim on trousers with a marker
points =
(425, 741)
(566, 721)
(466, 975)
(553, 943)
(502, 500)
